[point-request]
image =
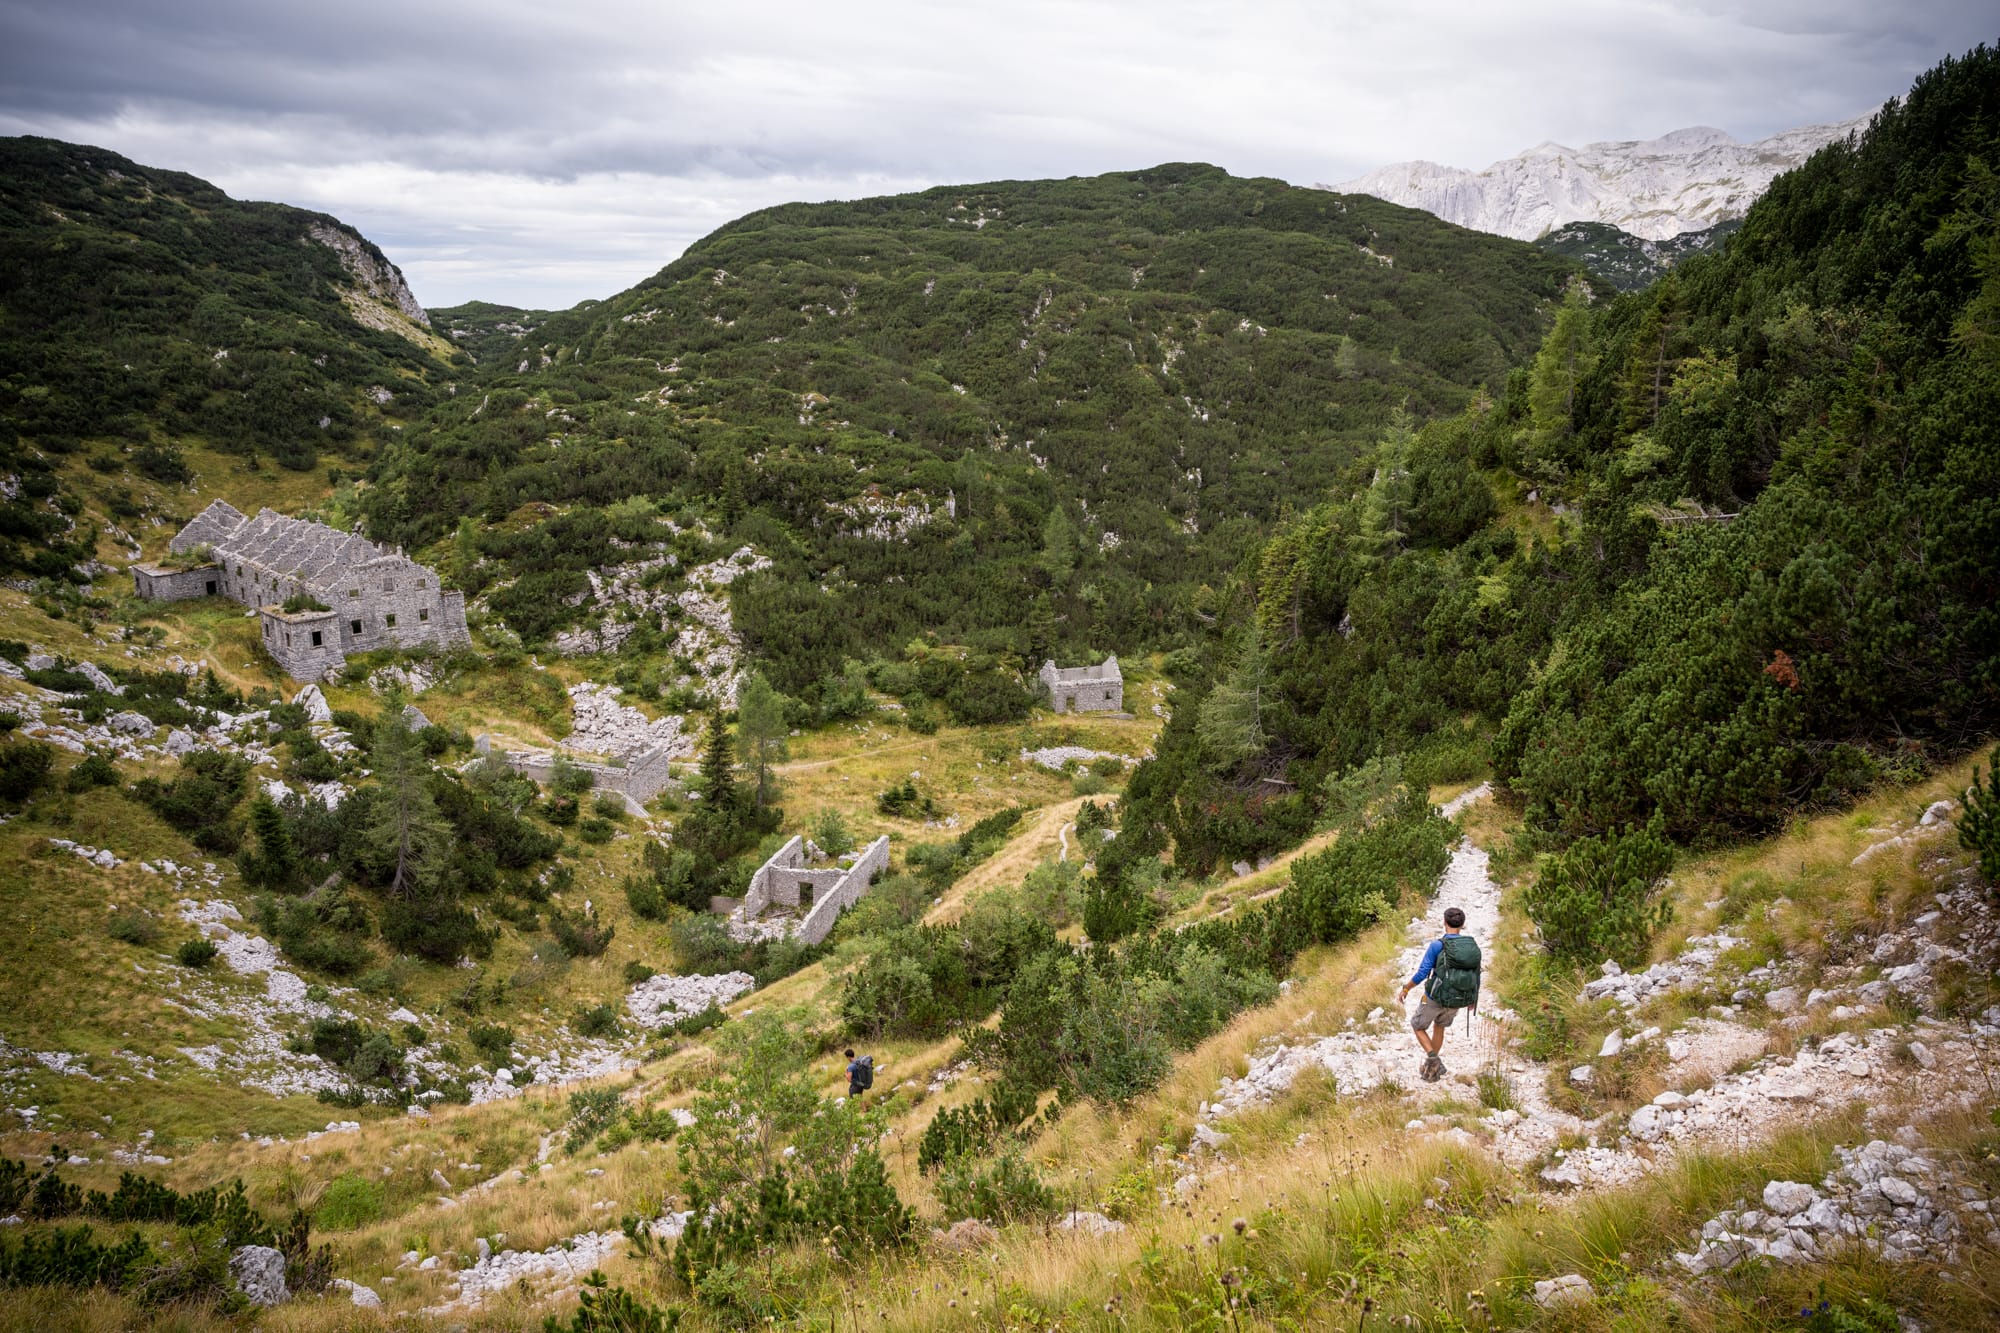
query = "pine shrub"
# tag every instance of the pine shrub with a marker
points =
(196, 953)
(1979, 825)
(1600, 898)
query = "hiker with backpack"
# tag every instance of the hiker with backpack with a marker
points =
(1449, 975)
(860, 1074)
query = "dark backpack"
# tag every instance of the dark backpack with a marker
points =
(1455, 980)
(864, 1072)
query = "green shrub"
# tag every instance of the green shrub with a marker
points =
(637, 972)
(596, 1020)
(195, 953)
(831, 834)
(350, 1201)
(1007, 1189)
(494, 1042)
(904, 801)
(133, 926)
(581, 937)
(590, 1110)
(1599, 899)
(602, 1308)
(609, 805)
(24, 767)
(1979, 825)
(92, 771)
(595, 830)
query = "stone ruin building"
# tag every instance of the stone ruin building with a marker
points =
(374, 596)
(789, 882)
(1086, 689)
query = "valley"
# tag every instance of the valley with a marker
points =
(1639, 607)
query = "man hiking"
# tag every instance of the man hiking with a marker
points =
(1452, 966)
(860, 1074)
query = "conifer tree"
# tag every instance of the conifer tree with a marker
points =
(275, 863)
(760, 717)
(406, 826)
(718, 767)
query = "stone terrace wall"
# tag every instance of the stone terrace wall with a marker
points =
(819, 921)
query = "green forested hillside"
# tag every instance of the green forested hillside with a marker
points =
(1630, 262)
(1096, 391)
(143, 308)
(1746, 553)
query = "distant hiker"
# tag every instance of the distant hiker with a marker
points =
(1452, 965)
(860, 1074)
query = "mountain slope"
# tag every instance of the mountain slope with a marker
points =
(147, 305)
(1626, 261)
(932, 408)
(1739, 556)
(1658, 188)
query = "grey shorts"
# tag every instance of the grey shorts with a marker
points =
(1430, 1013)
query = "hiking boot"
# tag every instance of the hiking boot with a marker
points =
(1432, 1068)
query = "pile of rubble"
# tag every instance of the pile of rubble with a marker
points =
(1887, 1197)
(1055, 756)
(662, 1000)
(566, 1261)
(1691, 967)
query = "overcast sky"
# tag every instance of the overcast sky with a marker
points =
(540, 153)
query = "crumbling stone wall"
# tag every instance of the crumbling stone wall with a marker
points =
(828, 907)
(643, 775)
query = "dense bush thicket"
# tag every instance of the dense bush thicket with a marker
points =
(1770, 570)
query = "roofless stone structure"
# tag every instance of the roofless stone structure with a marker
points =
(1085, 689)
(367, 596)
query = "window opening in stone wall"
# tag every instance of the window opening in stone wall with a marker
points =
(354, 592)
(316, 638)
(288, 638)
(353, 627)
(390, 620)
(423, 613)
(211, 587)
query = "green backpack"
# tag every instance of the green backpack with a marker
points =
(1454, 981)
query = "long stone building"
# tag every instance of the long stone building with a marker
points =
(1085, 689)
(352, 595)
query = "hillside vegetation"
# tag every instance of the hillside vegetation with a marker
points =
(1731, 553)
(1656, 632)
(1082, 396)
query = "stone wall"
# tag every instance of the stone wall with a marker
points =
(1091, 689)
(827, 909)
(154, 583)
(306, 643)
(642, 777)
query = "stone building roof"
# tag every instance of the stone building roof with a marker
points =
(1105, 670)
(208, 528)
(316, 555)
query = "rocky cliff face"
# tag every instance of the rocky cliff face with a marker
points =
(1653, 188)
(374, 276)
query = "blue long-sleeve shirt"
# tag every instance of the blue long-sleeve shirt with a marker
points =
(1430, 961)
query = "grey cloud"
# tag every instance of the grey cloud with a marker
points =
(545, 153)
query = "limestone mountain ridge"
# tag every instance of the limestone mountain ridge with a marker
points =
(1686, 180)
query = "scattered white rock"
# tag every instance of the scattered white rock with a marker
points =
(1569, 1289)
(259, 1271)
